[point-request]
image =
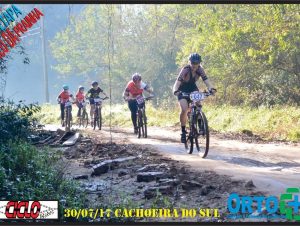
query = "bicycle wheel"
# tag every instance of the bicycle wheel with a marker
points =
(68, 119)
(100, 119)
(79, 120)
(140, 124)
(203, 137)
(145, 125)
(96, 117)
(85, 119)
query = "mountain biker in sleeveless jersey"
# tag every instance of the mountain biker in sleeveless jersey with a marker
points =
(134, 88)
(186, 82)
(94, 92)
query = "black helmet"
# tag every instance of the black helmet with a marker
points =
(195, 58)
(94, 83)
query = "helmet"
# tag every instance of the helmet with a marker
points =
(195, 58)
(94, 83)
(136, 77)
(80, 88)
(65, 87)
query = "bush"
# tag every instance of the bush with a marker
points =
(30, 174)
(16, 120)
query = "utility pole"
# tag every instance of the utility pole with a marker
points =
(46, 85)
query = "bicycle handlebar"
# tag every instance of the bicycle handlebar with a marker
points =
(188, 94)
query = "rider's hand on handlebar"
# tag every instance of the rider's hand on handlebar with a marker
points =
(176, 93)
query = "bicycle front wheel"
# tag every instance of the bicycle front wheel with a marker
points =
(68, 119)
(140, 124)
(96, 118)
(191, 137)
(203, 135)
(84, 119)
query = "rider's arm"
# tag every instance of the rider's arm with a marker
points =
(149, 90)
(176, 86)
(205, 79)
(58, 98)
(125, 94)
(104, 94)
(88, 94)
(72, 97)
(183, 73)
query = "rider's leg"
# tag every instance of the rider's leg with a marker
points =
(71, 112)
(133, 109)
(79, 110)
(183, 118)
(62, 111)
(92, 111)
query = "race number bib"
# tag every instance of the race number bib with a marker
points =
(196, 96)
(68, 104)
(140, 99)
(97, 100)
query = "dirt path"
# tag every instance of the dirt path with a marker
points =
(273, 167)
(193, 182)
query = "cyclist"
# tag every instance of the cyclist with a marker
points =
(80, 99)
(186, 82)
(135, 88)
(62, 98)
(94, 92)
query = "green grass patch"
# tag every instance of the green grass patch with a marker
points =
(279, 123)
(27, 173)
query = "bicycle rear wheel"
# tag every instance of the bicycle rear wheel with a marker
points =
(145, 134)
(203, 137)
(100, 119)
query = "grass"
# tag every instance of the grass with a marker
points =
(27, 173)
(277, 123)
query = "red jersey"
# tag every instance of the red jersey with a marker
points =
(79, 96)
(64, 96)
(134, 90)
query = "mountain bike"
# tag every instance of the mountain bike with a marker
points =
(83, 118)
(97, 113)
(198, 134)
(141, 116)
(67, 122)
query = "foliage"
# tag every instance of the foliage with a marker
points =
(27, 173)
(30, 174)
(16, 120)
(250, 52)
(276, 123)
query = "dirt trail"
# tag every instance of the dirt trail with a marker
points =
(273, 167)
(231, 166)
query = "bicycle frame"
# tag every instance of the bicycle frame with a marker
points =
(197, 123)
(141, 115)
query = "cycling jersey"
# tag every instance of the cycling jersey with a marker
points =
(188, 82)
(79, 96)
(134, 90)
(64, 96)
(94, 93)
